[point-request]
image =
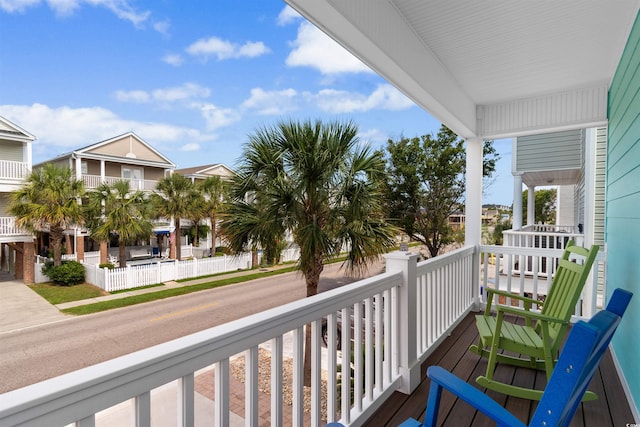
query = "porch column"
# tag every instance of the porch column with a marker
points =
(473, 208)
(104, 254)
(531, 205)
(517, 202)
(408, 362)
(102, 171)
(79, 247)
(78, 168)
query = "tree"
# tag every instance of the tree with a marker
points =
(172, 200)
(50, 199)
(214, 189)
(118, 209)
(545, 205)
(315, 181)
(426, 184)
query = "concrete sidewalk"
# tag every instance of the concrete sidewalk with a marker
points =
(21, 308)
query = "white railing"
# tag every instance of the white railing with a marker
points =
(444, 295)
(157, 271)
(78, 396)
(13, 170)
(94, 181)
(498, 272)
(8, 227)
(385, 315)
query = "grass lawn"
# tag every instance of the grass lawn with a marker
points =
(59, 294)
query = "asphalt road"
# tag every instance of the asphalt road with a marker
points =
(35, 354)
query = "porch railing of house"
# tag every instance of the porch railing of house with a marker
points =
(13, 170)
(384, 313)
(397, 318)
(94, 181)
(8, 227)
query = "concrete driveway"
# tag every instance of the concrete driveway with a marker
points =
(21, 308)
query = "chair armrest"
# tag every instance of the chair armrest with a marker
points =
(442, 378)
(533, 315)
(514, 296)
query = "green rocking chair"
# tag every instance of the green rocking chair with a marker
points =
(538, 341)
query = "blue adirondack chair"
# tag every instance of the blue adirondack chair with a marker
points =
(585, 346)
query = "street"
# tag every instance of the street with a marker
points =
(38, 353)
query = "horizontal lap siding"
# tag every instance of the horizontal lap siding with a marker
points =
(623, 203)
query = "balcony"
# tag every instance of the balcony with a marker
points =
(94, 181)
(11, 171)
(402, 319)
(543, 236)
(8, 227)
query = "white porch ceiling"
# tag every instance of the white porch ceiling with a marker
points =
(488, 68)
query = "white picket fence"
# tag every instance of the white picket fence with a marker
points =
(155, 272)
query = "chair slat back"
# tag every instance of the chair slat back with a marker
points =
(578, 362)
(566, 287)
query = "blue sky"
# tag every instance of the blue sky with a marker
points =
(191, 78)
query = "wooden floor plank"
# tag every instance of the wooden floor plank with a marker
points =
(610, 410)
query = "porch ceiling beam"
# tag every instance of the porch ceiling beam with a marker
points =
(377, 34)
(570, 109)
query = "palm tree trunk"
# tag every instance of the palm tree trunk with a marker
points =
(122, 255)
(177, 241)
(214, 235)
(55, 234)
(313, 278)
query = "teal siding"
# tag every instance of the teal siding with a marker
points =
(623, 204)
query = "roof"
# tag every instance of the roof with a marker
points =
(488, 69)
(206, 170)
(10, 130)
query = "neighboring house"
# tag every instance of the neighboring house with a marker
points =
(17, 248)
(198, 174)
(124, 157)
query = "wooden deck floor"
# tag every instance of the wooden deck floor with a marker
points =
(611, 409)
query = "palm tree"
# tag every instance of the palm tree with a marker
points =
(118, 209)
(171, 200)
(50, 199)
(214, 189)
(317, 182)
(196, 213)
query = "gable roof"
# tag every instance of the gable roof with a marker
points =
(11, 131)
(205, 171)
(126, 148)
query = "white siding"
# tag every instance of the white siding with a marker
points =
(600, 186)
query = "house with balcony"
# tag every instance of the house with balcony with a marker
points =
(198, 174)
(16, 245)
(123, 157)
(487, 70)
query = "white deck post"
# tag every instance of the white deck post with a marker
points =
(517, 202)
(473, 208)
(406, 262)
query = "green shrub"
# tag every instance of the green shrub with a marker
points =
(68, 273)
(108, 265)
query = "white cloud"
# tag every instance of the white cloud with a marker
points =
(223, 49)
(287, 16)
(190, 147)
(385, 97)
(218, 117)
(315, 49)
(19, 6)
(64, 128)
(180, 93)
(162, 27)
(185, 92)
(121, 8)
(173, 59)
(135, 96)
(271, 102)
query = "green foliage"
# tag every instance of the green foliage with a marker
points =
(315, 181)
(121, 210)
(545, 205)
(108, 265)
(69, 273)
(56, 294)
(49, 201)
(426, 184)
